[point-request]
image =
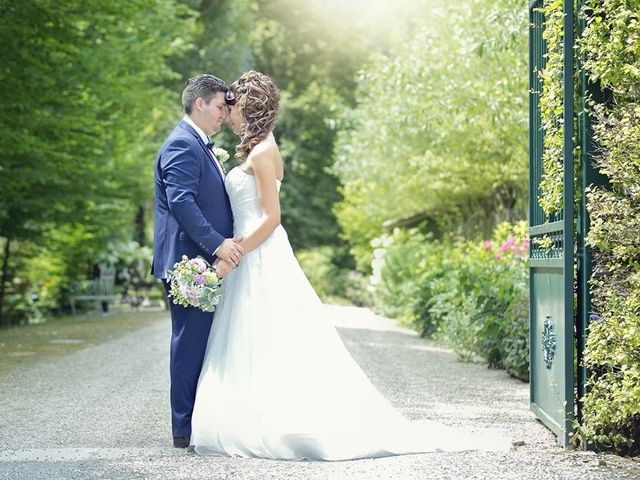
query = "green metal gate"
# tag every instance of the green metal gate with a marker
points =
(560, 302)
(552, 316)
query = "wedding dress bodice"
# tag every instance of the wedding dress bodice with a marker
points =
(245, 204)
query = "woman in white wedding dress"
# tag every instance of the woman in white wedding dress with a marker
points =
(277, 381)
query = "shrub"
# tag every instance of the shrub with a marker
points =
(331, 277)
(399, 261)
(611, 407)
(132, 262)
(472, 295)
(38, 278)
(487, 301)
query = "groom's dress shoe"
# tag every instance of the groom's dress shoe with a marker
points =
(181, 442)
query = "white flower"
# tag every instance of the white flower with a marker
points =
(221, 154)
(377, 264)
(379, 253)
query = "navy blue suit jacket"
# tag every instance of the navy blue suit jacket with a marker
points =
(192, 209)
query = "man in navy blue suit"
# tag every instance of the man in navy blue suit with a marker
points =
(192, 217)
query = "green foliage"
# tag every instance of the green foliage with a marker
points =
(306, 133)
(439, 130)
(326, 278)
(551, 110)
(403, 264)
(74, 85)
(473, 296)
(313, 55)
(91, 90)
(47, 270)
(299, 41)
(64, 257)
(84, 104)
(611, 44)
(333, 281)
(288, 39)
(552, 113)
(24, 304)
(133, 264)
(611, 416)
(612, 405)
(220, 43)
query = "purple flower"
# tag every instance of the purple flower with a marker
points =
(192, 294)
(198, 264)
(199, 280)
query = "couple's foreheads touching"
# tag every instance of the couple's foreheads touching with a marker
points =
(249, 105)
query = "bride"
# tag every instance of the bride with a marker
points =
(277, 381)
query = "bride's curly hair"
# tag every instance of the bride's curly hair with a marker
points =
(257, 98)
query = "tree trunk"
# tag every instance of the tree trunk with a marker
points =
(140, 226)
(3, 279)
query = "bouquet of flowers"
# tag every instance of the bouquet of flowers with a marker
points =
(195, 283)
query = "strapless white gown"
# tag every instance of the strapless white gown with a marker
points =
(277, 381)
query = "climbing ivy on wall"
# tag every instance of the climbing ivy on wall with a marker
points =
(611, 49)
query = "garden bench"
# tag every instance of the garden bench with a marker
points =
(98, 290)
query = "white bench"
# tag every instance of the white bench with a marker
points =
(98, 290)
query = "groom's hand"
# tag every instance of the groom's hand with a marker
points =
(230, 251)
(223, 268)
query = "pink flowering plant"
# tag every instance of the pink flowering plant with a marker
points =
(195, 283)
(471, 294)
(509, 243)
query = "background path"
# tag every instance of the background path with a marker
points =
(103, 413)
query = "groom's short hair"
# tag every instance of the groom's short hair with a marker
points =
(203, 85)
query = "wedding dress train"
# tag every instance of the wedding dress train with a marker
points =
(277, 381)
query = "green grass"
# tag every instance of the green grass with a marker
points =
(23, 345)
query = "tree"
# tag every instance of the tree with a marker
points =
(82, 99)
(439, 130)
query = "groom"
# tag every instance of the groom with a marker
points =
(192, 217)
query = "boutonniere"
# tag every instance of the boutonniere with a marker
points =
(221, 154)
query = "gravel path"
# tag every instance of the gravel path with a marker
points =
(103, 413)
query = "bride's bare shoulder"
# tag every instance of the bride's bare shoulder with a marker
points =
(266, 147)
(266, 155)
(265, 152)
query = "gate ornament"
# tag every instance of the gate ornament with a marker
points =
(548, 342)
